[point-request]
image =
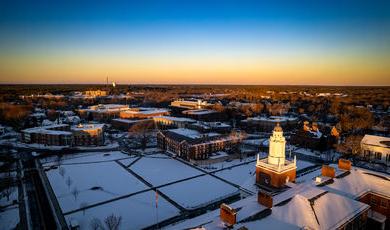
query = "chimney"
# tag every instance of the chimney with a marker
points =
(228, 214)
(328, 171)
(345, 164)
(264, 199)
(314, 126)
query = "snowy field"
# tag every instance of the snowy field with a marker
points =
(9, 217)
(89, 157)
(95, 182)
(129, 160)
(243, 175)
(160, 169)
(137, 212)
(227, 164)
(199, 191)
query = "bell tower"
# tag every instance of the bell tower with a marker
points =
(276, 170)
(277, 147)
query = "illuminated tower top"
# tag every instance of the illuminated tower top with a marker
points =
(277, 147)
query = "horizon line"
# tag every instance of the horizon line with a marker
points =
(193, 84)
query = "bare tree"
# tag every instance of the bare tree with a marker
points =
(96, 224)
(59, 159)
(8, 191)
(75, 193)
(112, 222)
(61, 170)
(351, 145)
(142, 131)
(83, 205)
(68, 182)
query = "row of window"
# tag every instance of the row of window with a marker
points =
(376, 201)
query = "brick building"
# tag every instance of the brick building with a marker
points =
(191, 144)
(65, 135)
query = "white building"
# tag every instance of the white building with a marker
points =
(376, 148)
(190, 104)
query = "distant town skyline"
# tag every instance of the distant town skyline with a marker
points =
(196, 42)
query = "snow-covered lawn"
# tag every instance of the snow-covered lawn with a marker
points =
(107, 146)
(199, 191)
(9, 217)
(128, 160)
(226, 164)
(243, 175)
(89, 157)
(95, 182)
(137, 212)
(160, 169)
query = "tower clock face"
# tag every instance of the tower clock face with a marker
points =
(264, 178)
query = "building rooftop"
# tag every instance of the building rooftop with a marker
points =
(199, 111)
(178, 119)
(376, 141)
(193, 136)
(304, 204)
(47, 129)
(82, 127)
(274, 119)
(146, 111)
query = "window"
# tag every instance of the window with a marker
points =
(378, 156)
(387, 157)
(373, 201)
(383, 203)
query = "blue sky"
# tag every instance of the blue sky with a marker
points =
(43, 34)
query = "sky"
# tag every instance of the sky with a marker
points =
(322, 42)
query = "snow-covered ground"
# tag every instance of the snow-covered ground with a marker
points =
(160, 169)
(199, 191)
(243, 175)
(137, 212)
(89, 157)
(95, 182)
(9, 217)
(229, 163)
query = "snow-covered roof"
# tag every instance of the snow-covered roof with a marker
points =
(177, 119)
(273, 119)
(199, 111)
(304, 204)
(82, 127)
(376, 141)
(147, 111)
(48, 130)
(190, 133)
(126, 120)
(359, 182)
(107, 107)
